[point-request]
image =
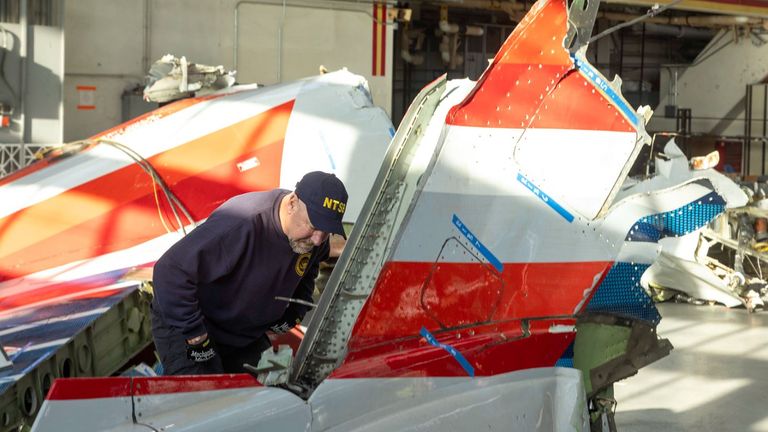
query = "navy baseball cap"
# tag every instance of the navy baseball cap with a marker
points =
(326, 199)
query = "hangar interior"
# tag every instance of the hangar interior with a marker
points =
(78, 72)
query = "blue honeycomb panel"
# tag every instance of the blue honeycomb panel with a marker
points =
(566, 360)
(620, 294)
(677, 222)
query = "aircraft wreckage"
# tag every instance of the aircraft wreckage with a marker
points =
(485, 282)
(80, 228)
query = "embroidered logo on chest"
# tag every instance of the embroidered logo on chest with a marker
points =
(302, 262)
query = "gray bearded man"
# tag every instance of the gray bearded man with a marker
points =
(215, 289)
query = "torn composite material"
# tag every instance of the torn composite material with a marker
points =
(456, 299)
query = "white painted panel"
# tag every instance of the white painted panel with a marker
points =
(515, 229)
(579, 168)
(248, 409)
(465, 150)
(520, 227)
(85, 414)
(544, 399)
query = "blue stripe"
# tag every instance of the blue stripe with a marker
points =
(328, 153)
(451, 350)
(603, 85)
(544, 197)
(477, 244)
(678, 222)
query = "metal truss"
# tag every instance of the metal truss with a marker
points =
(13, 157)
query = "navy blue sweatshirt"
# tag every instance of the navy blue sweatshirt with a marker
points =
(222, 277)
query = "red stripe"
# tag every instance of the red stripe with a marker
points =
(383, 35)
(96, 388)
(89, 388)
(409, 295)
(86, 107)
(483, 320)
(157, 114)
(145, 386)
(82, 87)
(490, 350)
(593, 111)
(529, 85)
(75, 225)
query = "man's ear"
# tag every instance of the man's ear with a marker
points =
(293, 203)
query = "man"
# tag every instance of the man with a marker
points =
(215, 290)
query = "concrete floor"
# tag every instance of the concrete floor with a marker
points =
(716, 378)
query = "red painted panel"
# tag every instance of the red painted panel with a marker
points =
(89, 388)
(394, 309)
(577, 104)
(144, 386)
(531, 83)
(157, 114)
(95, 388)
(475, 292)
(119, 210)
(490, 349)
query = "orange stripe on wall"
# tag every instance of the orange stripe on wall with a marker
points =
(374, 45)
(379, 40)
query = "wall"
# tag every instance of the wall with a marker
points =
(111, 43)
(714, 87)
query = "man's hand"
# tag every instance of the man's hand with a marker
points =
(200, 349)
(289, 320)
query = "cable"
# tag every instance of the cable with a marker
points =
(173, 201)
(144, 164)
(650, 13)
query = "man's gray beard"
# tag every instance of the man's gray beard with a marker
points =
(300, 247)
